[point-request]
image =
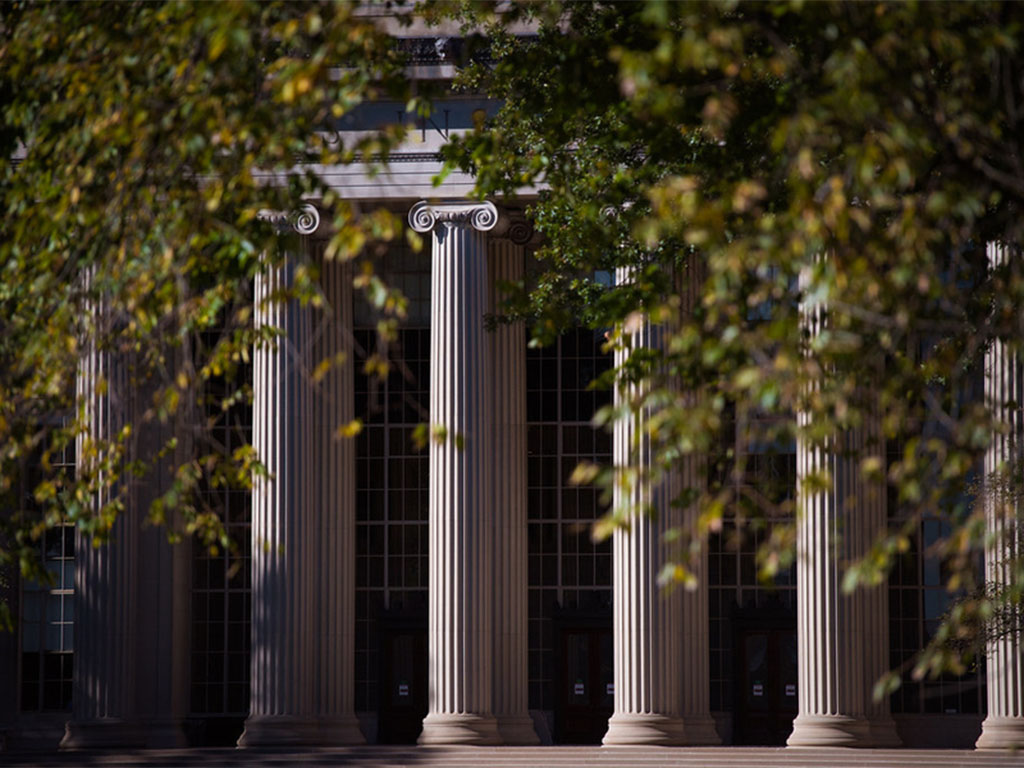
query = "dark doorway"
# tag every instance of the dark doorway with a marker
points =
(766, 695)
(584, 681)
(403, 679)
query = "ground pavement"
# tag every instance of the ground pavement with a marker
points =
(528, 757)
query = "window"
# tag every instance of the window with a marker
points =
(769, 469)
(566, 568)
(221, 589)
(48, 621)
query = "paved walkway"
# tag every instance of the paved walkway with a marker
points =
(527, 757)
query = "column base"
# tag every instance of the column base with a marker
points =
(104, 733)
(443, 728)
(1001, 733)
(829, 731)
(279, 731)
(883, 734)
(517, 730)
(340, 731)
(626, 729)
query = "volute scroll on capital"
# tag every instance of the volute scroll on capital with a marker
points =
(304, 220)
(519, 231)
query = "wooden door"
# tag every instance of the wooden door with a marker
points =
(766, 699)
(585, 694)
(403, 683)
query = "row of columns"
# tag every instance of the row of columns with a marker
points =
(477, 505)
(303, 557)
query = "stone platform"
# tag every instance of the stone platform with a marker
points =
(527, 757)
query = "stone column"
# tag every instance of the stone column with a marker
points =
(105, 576)
(647, 621)
(661, 662)
(460, 628)
(132, 623)
(334, 406)
(1003, 727)
(285, 545)
(508, 491)
(842, 639)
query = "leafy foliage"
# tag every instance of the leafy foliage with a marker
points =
(851, 159)
(846, 158)
(143, 145)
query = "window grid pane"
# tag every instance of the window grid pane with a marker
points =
(391, 489)
(48, 615)
(566, 569)
(221, 589)
(769, 473)
(917, 599)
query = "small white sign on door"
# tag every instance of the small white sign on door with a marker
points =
(577, 689)
(403, 689)
(609, 688)
(790, 689)
(758, 689)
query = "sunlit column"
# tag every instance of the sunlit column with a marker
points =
(283, 688)
(1003, 727)
(460, 628)
(660, 635)
(842, 638)
(508, 491)
(646, 620)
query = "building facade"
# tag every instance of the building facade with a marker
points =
(452, 594)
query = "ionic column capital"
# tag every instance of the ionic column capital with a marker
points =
(481, 216)
(304, 220)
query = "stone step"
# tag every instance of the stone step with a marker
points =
(541, 757)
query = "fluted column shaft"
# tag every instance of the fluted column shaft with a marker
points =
(508, 492)
(132, 619)
(283, 690)
(460, 629)
(1003, 727)
(655, 652)
(334, 406)
(842, 638)
(647, 621)
(105, 576)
